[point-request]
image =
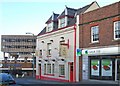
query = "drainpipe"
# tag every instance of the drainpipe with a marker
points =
(74, 74)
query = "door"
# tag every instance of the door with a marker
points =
(39, 71)
(71, 72)
(118, 69)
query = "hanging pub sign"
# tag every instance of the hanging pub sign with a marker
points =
(63, 50)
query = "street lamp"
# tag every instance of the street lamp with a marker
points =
(33, 51)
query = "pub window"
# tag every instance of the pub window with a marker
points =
(62, 70)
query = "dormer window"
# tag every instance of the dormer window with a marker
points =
(49, 27)
(62, 22)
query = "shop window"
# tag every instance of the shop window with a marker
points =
(62, 70)
(106, 67)
(95, 67)
(94, 34)
(102, 68)
(117, 30)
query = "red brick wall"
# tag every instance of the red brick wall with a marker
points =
(106, 30)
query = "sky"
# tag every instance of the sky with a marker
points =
(20, 16)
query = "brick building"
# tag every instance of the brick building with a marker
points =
(100, 43)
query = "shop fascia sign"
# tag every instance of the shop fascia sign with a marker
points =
(90, 52)
(101, 51)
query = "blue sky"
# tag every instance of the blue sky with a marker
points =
(21, 16)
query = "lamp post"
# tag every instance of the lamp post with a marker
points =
(33, 53)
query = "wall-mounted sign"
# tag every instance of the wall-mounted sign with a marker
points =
(101, 51)
(63, 51)
(95, 67)
(78, 52)
(106, 68)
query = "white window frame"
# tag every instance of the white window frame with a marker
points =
(49, 27)
(45, 68)
(62, 22)
(49, 48)
(53, 68)
(92, 39)
(118, 28)
(60, 71)
(49, 68)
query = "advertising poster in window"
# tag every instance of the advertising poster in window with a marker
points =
(95, 67)
(106, 68)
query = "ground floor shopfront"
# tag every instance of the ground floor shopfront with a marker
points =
(101, 63)
(56, 71)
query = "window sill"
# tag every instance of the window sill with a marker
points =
(94, 42)
(49, 74)
(62, 76)
(116, 39)
(49, 56)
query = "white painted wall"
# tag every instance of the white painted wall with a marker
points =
(67, 33)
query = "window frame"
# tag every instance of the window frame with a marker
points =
(45, 68)
(49, 68)
(62, 22)
(49, 27)
(53, 68)
(61, 71)
(49, 49)
(115, 29)
(93, 35)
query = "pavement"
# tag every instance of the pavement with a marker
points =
(30, 81)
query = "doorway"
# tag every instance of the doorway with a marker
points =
(39, 71)
(71, 72)
(118, 69)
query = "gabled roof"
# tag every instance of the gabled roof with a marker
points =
(70, 11)
(83, 9)
(79, 11)
(54, 15)
(42, 32)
